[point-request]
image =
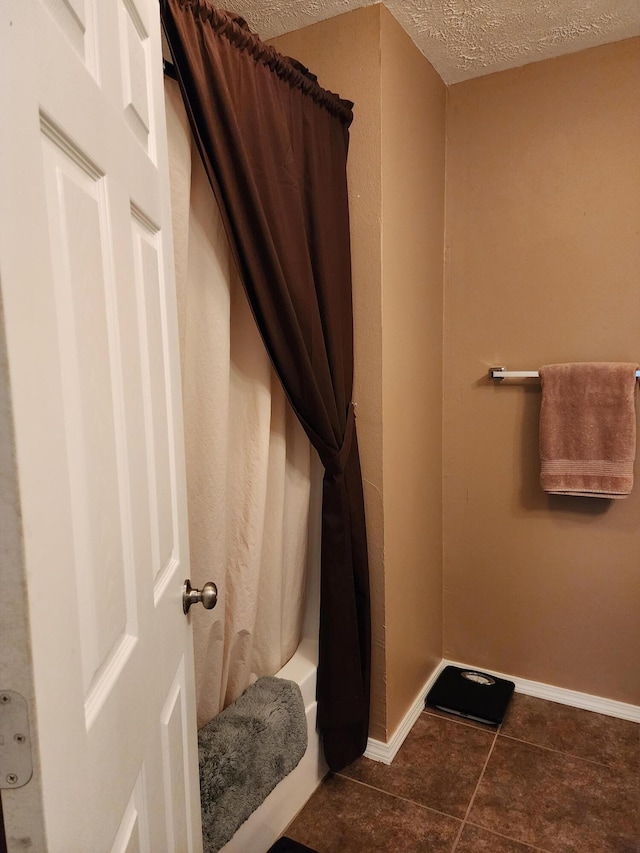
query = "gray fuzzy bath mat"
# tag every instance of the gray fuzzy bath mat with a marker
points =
(245, 751)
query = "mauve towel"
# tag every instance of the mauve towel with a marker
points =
(588, 429)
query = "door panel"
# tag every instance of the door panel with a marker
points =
(134, 40)
(76, 22)
(152, 326)
(133, 833)
(90, 321)
(89, 361)
(175, 762)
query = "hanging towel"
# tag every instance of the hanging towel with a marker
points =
(588, 429)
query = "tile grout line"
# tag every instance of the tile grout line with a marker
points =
(398, 797)
(560, 752)
(508, 838)
(475, 791)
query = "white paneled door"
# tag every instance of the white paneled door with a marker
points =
(86, 273)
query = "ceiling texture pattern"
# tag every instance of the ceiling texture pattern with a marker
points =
(469, 38)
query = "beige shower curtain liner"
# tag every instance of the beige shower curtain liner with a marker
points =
(248, 459)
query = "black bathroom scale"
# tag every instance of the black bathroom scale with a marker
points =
(471, 694)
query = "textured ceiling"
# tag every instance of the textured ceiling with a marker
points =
(469, 38)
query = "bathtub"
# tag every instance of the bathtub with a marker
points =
(271, 818)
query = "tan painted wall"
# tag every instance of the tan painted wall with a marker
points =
(543, 259)
(413, 163)
(542, 254)
(396, 194)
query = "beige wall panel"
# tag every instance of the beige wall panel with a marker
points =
(344, 53)
(413, 170)
(543, 254)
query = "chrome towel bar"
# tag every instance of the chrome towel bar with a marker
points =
(500, 373)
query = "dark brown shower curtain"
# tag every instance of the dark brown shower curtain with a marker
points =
(274, 145)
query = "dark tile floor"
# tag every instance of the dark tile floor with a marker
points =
(550, 778)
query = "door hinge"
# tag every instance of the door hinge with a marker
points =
(16, 767)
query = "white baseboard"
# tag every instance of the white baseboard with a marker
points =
(377, 750)
(609, 707)
(385, 752)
